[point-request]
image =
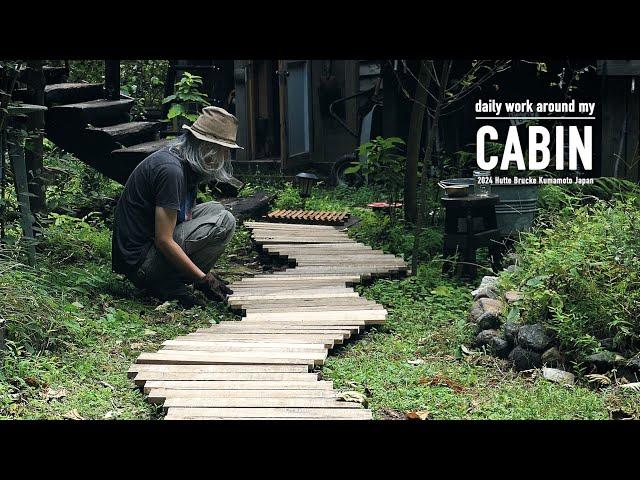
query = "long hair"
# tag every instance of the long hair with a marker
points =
(194, 152)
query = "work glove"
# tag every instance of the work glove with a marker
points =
(214, 287)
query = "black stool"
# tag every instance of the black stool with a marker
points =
(470, 223)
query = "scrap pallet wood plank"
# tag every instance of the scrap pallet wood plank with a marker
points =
(175, 358)
(326, 342)
(136, 368)
(268, 413)
(238, 385)
(158, 395)
(263, 402)
(219, 347)
(275, 328)
(252, 354)
(229, 376)
(324, 316)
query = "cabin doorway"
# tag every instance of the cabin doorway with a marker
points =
(257, 105)
(273, 106)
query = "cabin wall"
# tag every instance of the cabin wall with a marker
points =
(620, 128)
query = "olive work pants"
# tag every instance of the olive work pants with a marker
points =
(203, 239)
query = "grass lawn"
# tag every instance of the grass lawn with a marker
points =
(75, 328)
(414, 363)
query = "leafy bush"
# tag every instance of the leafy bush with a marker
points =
(397, 237)
(186, 97)
(580, 273)
(289, 198)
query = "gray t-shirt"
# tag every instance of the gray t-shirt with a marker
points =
(160, 180)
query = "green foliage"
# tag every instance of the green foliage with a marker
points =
(91, 71)
(84, 189)
(397, 237)
(75, 240)
(187, 94)
(580, 273)
(144, 81)
(37, 320)
(288, 198)
(427, 323)
(383, 166)
(141, 79)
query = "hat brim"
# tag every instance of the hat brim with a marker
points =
(212, 140)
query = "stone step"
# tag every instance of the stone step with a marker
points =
(124, 134)
(69, 93)
(97, 113)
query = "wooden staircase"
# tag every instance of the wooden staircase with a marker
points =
(97, 130)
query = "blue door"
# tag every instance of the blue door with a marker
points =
(297, 112)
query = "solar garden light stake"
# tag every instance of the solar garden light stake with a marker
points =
(305, 183)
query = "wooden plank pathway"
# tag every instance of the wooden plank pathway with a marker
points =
(261, 367)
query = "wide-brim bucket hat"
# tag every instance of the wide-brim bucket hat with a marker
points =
(216, 125)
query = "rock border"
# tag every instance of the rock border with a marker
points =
(532, 346)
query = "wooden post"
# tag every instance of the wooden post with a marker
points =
(413, 144)
(35, 125)
(282, 93)
(112, 79)
(16, 154)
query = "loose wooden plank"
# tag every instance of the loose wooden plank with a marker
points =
(263, 402)
(327, 341)
(301, 302)
(300, 240)
(279, 328)
(158, 395)
(235, 299)
(301, 270)
(301, 289)
(328, 315)
(138, 367)
(267, 278)
(308, 308)
(265, 384)
(268, 413)
(256, 353)
(238, 385)
(337, 281)
(142, 378)
(176, 358)
(347, 247)
(248, 289)
(242, 347)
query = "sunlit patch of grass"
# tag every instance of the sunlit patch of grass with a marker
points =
(426, 327)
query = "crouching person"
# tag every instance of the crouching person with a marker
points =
(162, 241)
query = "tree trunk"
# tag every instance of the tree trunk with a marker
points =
(35, 125)
(422, 200)
(413, 144)
(112, 79)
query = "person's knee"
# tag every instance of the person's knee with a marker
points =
(229, 225)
